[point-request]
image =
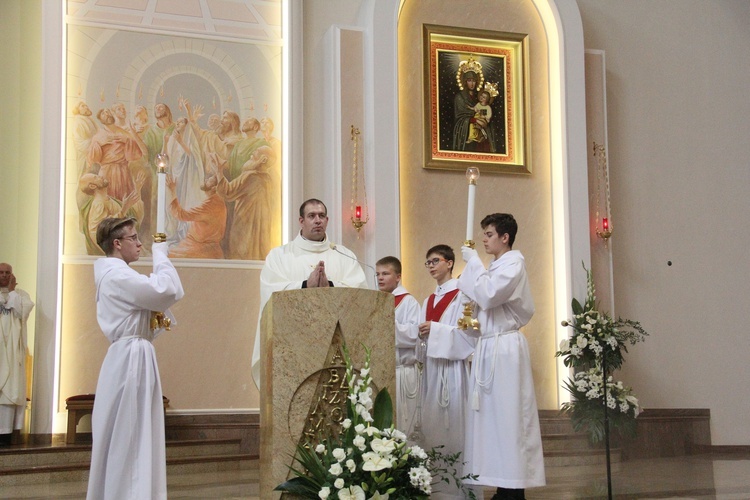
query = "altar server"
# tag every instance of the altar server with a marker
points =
(503, 440)
(408, 365)
(128, 459)
(446, 367)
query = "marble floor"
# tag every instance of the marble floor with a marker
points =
(709, 476)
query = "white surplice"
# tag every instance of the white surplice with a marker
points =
(408, 383)
(15, 308)
(446, 381)
(288, 266)
(128, 458)
(503, 440)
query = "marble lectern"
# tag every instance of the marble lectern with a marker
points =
(301, 391)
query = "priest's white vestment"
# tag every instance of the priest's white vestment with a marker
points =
(446, 380)
(408, 382)
(128, 457)
(503, 440)
(15, 308)
(287, 268)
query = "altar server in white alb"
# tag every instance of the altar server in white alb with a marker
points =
(446, 367)
(310, 260)
(128, 459)
(503, 441)
(15, 307)
(408, 372)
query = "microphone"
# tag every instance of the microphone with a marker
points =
(336, 249)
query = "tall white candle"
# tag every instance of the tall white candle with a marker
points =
(472, 174)
(470, 213)
(162, 161)
(161, 201)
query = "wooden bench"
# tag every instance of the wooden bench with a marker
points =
(79, 406)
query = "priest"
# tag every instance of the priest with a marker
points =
(308, 261)
(15, 308)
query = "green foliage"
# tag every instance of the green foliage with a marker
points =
(383, 410)
(446, 467)
(596, 339)
(369, 459)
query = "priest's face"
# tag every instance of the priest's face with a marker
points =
(313, 225)
(5, 273)
(387, 278)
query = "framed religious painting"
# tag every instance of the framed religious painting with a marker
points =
(476, 100)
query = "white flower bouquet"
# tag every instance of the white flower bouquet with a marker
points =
(598, 340)
(369, 459)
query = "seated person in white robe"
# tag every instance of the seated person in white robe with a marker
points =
(308, 261)
(503, 440)
(15, 308)
(128, 459)
(408, 362)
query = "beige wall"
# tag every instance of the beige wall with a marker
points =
(433, 202)
(204, 361)
(20, 131)
(679, 116)
(678, 113)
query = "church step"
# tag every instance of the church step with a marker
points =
(569, 471)
(79, 471)
(554, 422)
(568, 442)
(60, 455)
(566, 458)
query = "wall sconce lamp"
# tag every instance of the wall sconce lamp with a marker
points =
(360, 214)
(602, 176)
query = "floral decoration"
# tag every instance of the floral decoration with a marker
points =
(597, 340)
(370, 459)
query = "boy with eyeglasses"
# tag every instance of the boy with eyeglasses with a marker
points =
(446, 365)
(128, 458)
(503, 440)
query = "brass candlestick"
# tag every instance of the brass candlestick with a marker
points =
(160, 320)
(467, 321)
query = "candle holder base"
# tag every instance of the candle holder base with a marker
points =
(469, 243)
(160, 320)
(468, 321)
(160, 237)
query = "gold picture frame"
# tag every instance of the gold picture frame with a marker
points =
(461, 131)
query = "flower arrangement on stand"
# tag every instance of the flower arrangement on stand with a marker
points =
(597, 342)
(369, 459)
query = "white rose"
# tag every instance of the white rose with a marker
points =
(359, 442)
(320, 449)
(339, 454)
(324, 492)
(338, 484)
(564, 345)
(336, 469)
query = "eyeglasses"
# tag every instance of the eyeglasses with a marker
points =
(434, 262)
(132, 237)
